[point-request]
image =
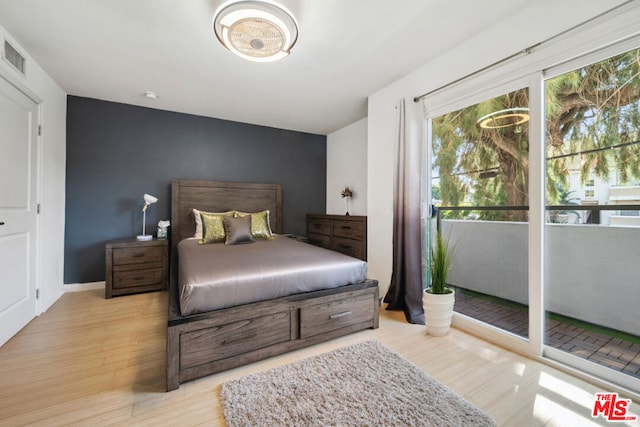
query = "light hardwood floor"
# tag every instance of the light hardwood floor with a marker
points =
(91, 361)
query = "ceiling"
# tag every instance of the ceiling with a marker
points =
(116, 50)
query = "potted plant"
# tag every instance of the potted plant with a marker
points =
(438, 299)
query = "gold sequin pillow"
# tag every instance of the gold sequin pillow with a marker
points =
(198, 219)
(213, 227)
(260, 226)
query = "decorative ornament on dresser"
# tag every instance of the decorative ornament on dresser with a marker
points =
(347, 193)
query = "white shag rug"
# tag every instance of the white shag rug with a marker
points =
(365, 384)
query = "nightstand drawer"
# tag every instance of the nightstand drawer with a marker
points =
(319, 226)
(330, 316)
(349, 247)
(133, 278)
(137, 255)
(349, 229)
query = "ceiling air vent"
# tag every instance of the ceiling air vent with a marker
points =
(13, 57)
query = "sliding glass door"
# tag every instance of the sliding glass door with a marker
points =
(479, 187)
(537, 183)
(592, 231)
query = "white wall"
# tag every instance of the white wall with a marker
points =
(347, 166)
(53, 117)
(531, 25)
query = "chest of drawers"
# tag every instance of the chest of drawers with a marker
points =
(341, 233)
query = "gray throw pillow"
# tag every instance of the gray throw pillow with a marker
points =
(238, 230)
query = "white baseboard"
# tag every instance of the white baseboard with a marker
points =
(45, 305)
(78, 287)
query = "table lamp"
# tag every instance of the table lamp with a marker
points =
(148, 200)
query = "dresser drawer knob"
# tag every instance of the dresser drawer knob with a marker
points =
(339, 315)
(346, 227)
(138, 255)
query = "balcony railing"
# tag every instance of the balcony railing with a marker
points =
(591, 272)
(593, 217)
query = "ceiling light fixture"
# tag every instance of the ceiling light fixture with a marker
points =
(256, 30)
(504, 118)
(151, 95)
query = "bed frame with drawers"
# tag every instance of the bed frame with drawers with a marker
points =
(206, 343)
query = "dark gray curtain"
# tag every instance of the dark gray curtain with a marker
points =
(405, 291)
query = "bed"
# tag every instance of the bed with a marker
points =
(206, 335)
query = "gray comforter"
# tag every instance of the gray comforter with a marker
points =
(217, 276)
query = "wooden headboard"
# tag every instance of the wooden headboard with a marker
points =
(217, 196)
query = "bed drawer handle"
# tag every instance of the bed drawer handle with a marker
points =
(339, 315)
(137, 255)
(138, 278)
(346, 227)
(343, 246)
(240, 337)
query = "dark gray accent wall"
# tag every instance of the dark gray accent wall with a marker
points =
(118, 152)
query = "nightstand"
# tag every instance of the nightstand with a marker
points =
(134, 266)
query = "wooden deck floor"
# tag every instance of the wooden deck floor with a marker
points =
(607, 350)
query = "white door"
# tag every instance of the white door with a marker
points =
(18, 209)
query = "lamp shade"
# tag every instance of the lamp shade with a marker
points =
(148, 200)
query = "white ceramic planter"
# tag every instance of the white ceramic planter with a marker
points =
(438, 311)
